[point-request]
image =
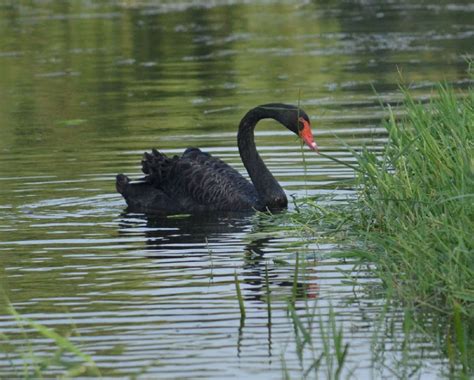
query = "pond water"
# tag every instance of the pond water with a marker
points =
(86, 87)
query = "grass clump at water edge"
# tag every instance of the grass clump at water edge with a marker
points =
(415, 213)
(417, 203)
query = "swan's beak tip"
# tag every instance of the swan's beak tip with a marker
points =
(313, 146)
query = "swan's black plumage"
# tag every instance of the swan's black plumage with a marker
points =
(197, 181)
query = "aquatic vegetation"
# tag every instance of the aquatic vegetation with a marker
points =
(68, 356)
(239, 297)
(412, 222)
(318, 335)
(326, 358)
(416, 202)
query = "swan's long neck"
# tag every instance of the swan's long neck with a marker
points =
(270, 193)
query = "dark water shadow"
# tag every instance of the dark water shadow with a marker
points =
(181, 232)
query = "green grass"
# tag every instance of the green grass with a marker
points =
(318, 336)
(417, 203)
(413, 222)
(240, 298)
(67, 356)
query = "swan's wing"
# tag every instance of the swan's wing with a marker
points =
(197, 178)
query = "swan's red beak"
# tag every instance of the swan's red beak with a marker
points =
(307, 135)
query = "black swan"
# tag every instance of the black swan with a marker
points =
(198, 182)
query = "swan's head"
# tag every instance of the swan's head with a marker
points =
(293, 118)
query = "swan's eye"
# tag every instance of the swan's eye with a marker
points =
(302, 123)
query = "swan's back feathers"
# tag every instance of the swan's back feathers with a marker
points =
(199, 181)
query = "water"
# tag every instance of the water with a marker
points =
(86, 87)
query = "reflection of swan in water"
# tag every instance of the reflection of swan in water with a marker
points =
(216, 236)
(186, 235)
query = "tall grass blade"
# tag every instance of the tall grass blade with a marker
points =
(269, 297)
(239, 297)
(63, 343)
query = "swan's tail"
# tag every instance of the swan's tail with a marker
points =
(121, 183)
(142, 196)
